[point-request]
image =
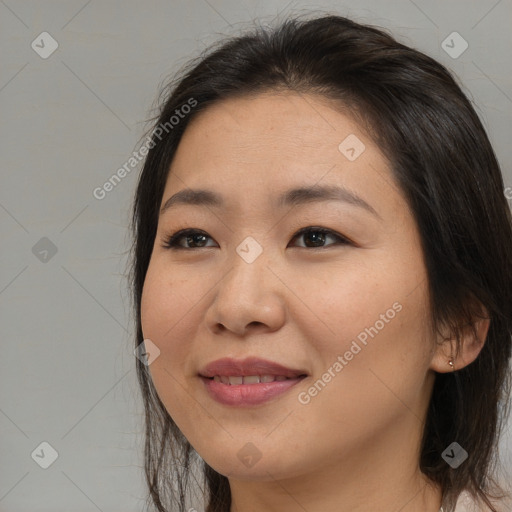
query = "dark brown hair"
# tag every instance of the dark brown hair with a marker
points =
(445, 167)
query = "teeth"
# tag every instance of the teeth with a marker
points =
(249, 379)
(254, 379)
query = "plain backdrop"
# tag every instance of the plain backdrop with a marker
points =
(70, 119)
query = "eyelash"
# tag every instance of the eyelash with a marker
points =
(171, 241)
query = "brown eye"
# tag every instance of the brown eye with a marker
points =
(316, 237)
(194, 238)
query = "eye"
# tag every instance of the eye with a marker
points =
(195, 237)
(315, 237)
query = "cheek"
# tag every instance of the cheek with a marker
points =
(385, 355)
(167, 299)
(376, 383)
(166, 313)
(337, 305)
(375, 318)
(167, 319)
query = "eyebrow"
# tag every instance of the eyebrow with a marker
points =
(293, 197)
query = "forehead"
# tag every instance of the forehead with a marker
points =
(275, 120)
(251, 149)
(287, 135)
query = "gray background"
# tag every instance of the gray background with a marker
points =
(69, 122)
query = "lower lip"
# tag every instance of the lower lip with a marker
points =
(247, 394)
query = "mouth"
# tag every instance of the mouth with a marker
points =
(248, 382)
(238, 380)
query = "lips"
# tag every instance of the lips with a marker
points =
(250, 367)
(248, 382)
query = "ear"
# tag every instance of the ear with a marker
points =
(472, 339)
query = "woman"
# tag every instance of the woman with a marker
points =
(322, 276)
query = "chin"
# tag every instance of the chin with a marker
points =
(256, 470)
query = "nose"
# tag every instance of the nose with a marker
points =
(248, 298)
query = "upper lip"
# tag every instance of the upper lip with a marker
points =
(229, 367)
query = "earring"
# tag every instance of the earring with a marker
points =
(450, 362)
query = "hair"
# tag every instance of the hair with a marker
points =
(445, 167)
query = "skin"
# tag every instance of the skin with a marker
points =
(354, 447)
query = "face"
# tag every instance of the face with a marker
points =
(346, 306)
